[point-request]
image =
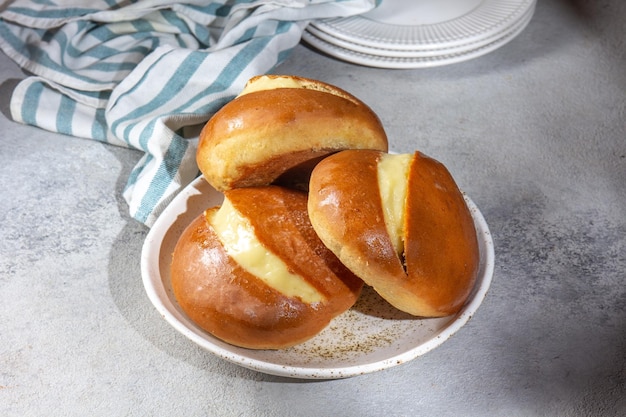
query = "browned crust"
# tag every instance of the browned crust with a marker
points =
(441, 248)
(239, 308)
(258, 136)
(345, 210)
(281, 223)
(226, 301)
(294, 167)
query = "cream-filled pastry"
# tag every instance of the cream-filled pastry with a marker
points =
(401, 224)
(253, 272)
(278, 128)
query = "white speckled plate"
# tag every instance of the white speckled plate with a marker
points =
(370, 337)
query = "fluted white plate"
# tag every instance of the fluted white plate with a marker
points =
(419, 52)
(385, 58)
(371, 336)
(415, 24)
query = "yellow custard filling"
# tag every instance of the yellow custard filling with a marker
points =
(237, 236)
(273, 82)
(269, 83)
(393, 172)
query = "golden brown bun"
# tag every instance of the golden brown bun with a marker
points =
(259, 136)
(441, 247)
(238, 307)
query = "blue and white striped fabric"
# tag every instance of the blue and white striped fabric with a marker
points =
(147, 74)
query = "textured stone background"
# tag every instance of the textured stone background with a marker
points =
(535, 132)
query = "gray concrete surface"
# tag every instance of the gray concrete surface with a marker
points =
(535, 132)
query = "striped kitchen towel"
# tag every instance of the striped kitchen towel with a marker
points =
(147, 74)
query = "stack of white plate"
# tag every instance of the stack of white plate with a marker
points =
(421, 33)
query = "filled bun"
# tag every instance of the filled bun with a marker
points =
(278, 128)
(401, 224)
(253, 273)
